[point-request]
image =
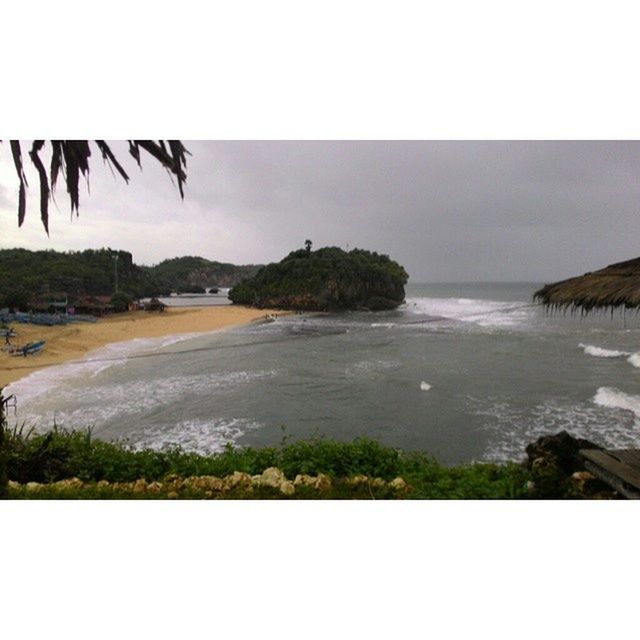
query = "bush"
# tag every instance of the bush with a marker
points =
(120, 302)
(60, 454)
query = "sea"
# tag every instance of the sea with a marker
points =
(465, 372)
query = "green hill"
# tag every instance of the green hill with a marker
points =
(26, 275)
(328, 279)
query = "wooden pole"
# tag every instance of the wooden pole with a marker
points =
(3, 452)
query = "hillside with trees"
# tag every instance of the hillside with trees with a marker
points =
(26, 276)
(328, 279)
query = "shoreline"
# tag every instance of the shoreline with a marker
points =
(74, 341)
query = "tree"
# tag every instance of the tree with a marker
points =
(307, 245)
(72, 158)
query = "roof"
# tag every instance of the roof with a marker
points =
(617, 285)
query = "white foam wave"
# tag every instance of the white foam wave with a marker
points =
(386, 325)
(599, 352)
(484, 313)
(199, 436)
(424, 386)
(616, 399)
(512, 427)
(115, 353)
(370, 367)
(634, 359)
(96, 405)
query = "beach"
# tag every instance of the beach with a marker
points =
(74, 340)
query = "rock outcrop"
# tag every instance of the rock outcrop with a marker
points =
(329, 279)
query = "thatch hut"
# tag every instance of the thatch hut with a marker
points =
(615, 286)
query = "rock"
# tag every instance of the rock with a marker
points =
(562, 449)
(139, 486)
(33, 486)
(322, 482)
(287, 488)
(357, 480)
(378, 483)
(552, 460)
(102, 484)
(272, 477)
(304, 480)
(154, 487)
(172, 495)
(586, 485)
(238, 478)
(12, 484)
(398, 484)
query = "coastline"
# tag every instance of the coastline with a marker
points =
(73, 341)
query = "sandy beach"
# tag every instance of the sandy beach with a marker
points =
(73, 341)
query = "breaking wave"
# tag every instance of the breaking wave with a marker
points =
(484, 313)
(616, 399)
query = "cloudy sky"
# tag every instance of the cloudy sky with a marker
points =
(448, 211)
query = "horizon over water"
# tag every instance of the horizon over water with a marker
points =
(463, 371)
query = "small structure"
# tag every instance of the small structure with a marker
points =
(619, 469)
(93, 305)
(155, 305)
(617, 285)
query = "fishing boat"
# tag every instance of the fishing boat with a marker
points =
(28, 349)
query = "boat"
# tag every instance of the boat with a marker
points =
(7, 333)
(28, 349)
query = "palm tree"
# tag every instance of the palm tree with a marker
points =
(72, 157)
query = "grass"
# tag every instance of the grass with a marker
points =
(60, 454)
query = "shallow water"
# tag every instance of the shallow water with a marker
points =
(463, 371)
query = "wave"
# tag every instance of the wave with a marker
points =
(599, 352)
(615, 399)
(198, 436)
(97, 405)
(511, 427)
(94, 363)
(424, 386)
(485, 313)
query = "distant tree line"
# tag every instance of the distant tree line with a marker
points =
(29, 276)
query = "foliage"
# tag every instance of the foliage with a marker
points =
(120, 301)
(72, 158)
(26, 275)
(61, 454)
(326, 279)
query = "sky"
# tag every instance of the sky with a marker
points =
(449, 211)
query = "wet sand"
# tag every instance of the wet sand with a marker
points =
(74, 341)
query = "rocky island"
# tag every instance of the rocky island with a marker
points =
(329, 279)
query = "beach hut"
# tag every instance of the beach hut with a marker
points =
(615, 286)
(93, 305)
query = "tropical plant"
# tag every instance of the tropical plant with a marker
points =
(72, 158)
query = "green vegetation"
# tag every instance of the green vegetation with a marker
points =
(120, 301)
(325, 280)
(27, 276)
(60, 455)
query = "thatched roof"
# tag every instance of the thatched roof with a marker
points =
(617, 285)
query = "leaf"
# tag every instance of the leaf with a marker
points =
(44, 183)
(109, 157)
(22, 195)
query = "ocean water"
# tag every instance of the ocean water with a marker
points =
(465, 372)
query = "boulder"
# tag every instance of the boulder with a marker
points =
(272, 477)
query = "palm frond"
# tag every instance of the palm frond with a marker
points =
(72, 158)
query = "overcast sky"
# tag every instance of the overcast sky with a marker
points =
(448, 211)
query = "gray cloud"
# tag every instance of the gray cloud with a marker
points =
(446, 210)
